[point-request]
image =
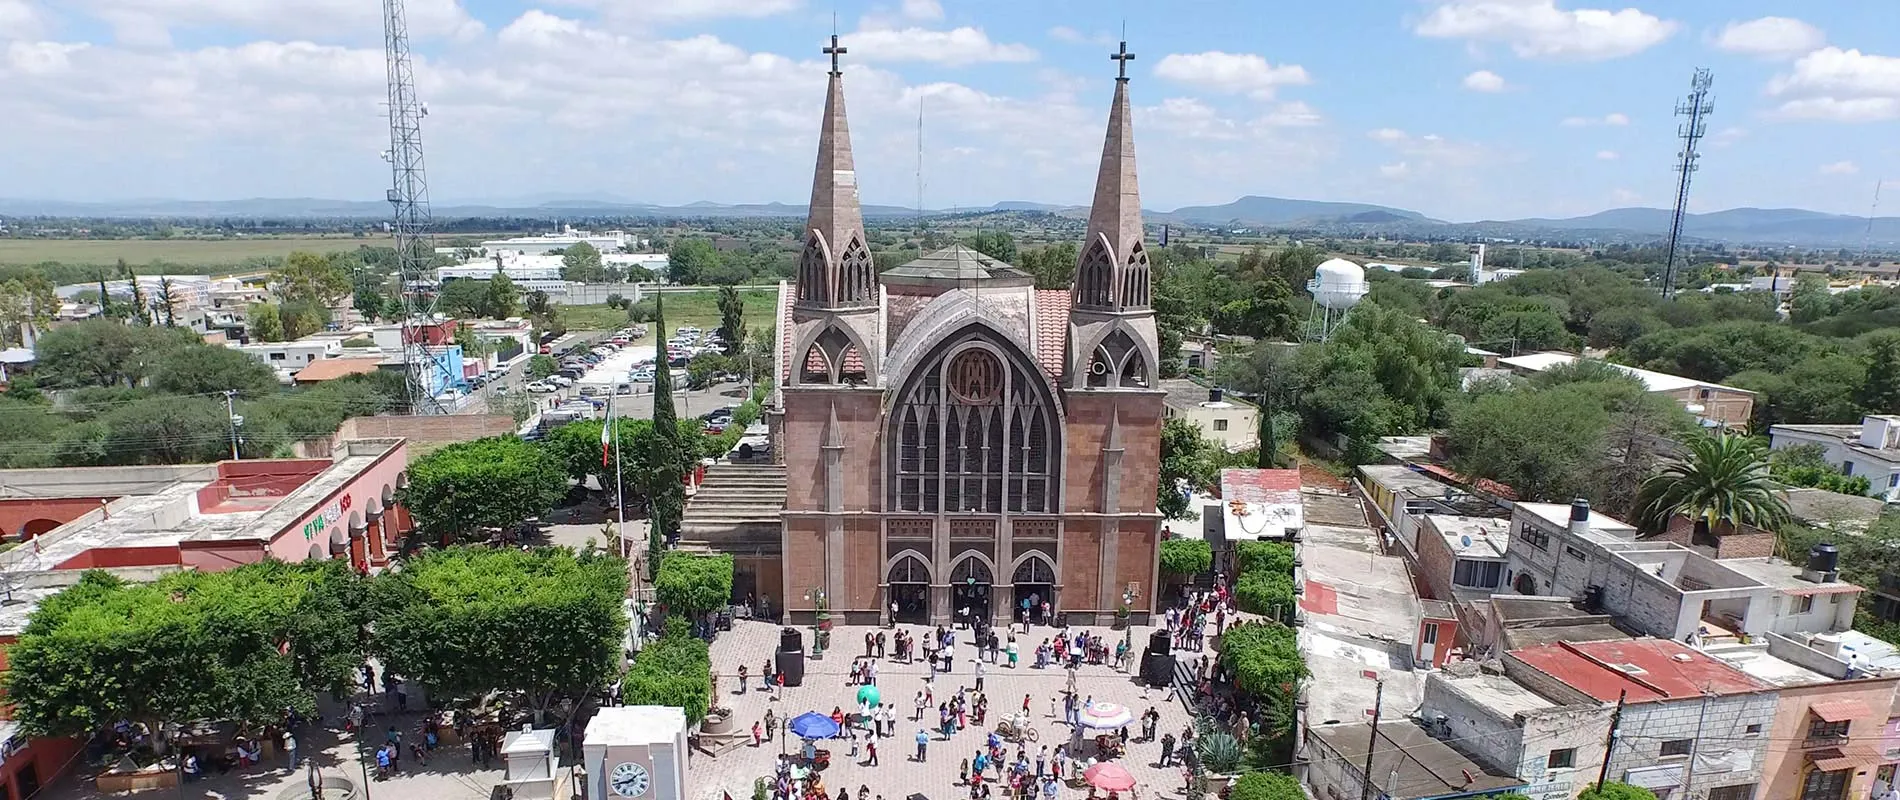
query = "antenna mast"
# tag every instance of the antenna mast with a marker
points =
(1867, 239)
(408, 197)
(920, 173)
(1697, 109)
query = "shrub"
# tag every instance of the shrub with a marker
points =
(1613, 790)
(1265, 583)
(1265, 657)
(694, 584)
(674, 671)
(1186, 556)
(1266, 786)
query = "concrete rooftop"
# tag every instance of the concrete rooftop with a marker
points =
(1648, 669)
(1360, 614)
(1785, 576)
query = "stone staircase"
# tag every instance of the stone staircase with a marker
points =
(737, 507)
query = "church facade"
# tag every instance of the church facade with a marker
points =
(957, 441)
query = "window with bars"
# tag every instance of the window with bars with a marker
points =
(974, 432)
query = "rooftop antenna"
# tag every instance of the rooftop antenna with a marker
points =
(1696, 108)
(920, 173)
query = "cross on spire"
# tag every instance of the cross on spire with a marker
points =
(834, 51)
(1121, 60)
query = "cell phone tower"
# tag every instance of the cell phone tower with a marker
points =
(1696, 109)
(409, 198)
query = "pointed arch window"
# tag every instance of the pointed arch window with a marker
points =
(974, 432)
(1095, 276)
(1135, 288)
(857, 272)
(1118, 363)
(814, 285)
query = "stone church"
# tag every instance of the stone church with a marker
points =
(955, 439)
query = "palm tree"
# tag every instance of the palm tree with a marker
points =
(1721, 479)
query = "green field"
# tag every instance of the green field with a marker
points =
(698, 309)
(210, 253)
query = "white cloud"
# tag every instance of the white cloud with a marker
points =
(681, 10)
(1626, 197)
(18, 20)
(150, 23)
(1068, 35)
(1399, 170)
(1484, 80)
(1840, 168)
(1387, 135)
(958, 46)
(1431, 153)
(41, 58)
(1839, 85)
(1607, 155)
(1613, 119)
(1293, 114)
(1539, 29)
(1770, 37)
(1230, 72)
(923, 10)
(1727, 136)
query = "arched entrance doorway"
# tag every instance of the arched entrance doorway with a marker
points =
(970, 586)
(1035, 583)
(907, 586)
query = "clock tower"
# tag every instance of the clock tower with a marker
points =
(636, 753)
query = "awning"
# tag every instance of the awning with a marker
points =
(1837, 711)
(1853, 756)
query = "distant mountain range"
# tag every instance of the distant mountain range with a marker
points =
(1782, 226)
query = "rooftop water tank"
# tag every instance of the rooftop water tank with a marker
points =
(1338, 284)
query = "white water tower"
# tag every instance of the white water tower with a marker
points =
(1336, 287)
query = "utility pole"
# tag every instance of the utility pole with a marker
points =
(1695, 745)
(1609, 744)
(1372, 743)
(230, 410)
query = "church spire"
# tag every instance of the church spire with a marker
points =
(1112, 272)
(835, 270)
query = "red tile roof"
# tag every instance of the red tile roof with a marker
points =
(1648, 669)
(1052, 330)
(1485, 485)
(1260, 485)
(333, 368)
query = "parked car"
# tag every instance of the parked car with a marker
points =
(539, 387)
(561, 380)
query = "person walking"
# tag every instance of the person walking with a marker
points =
(870, 749)
(756, 735)
(771, 722)
(979, 675)
(290, 748)
(1167, 749)
(923, 741)
(778, 687)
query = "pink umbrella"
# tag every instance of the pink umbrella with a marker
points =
(1109, 776)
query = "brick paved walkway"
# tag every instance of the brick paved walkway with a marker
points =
(897, 776)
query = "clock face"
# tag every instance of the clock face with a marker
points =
(629, 779)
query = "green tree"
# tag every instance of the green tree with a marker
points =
(100, 352)
(1186, 557)
(26, 303)
(1720, 479)
(1545, 444)
(999, 245)
(166, 303)
(208, 369)
(266, 325)
(694, 584)
(463, 298)
(1052, 265)
(541, 366)
(1266, 313)
(191, 646)
(731, 319)
(498, 482)
(503, 298)
(1881, 393)
(167, 430)
(1187, 464)
(367, 294)
(311, 278)
(140, 310)
(581, 262)
(674, 671)
(667, 455)
(1821, 390)
(468, 621)
(302, 317)
(689, 261)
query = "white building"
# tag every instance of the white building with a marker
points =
(1871, 449)
(606, 242)
(1234, 425)
(289, 357)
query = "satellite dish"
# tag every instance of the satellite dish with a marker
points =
(1464, 540)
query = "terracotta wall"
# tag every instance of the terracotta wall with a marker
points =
(807, 413)
(1789, 758)
(111, 557)
(39, 516)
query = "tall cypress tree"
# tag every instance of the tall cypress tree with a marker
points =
(1268, 457)
(666, 495)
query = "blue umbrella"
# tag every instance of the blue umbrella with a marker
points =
(813, 725)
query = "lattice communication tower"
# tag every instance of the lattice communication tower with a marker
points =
(409, 198)
(1695, 109)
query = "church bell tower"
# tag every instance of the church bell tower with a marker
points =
(836, 338)
(1112, 340)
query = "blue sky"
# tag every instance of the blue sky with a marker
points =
(1460, 109)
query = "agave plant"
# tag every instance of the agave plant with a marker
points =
(1219, 751)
